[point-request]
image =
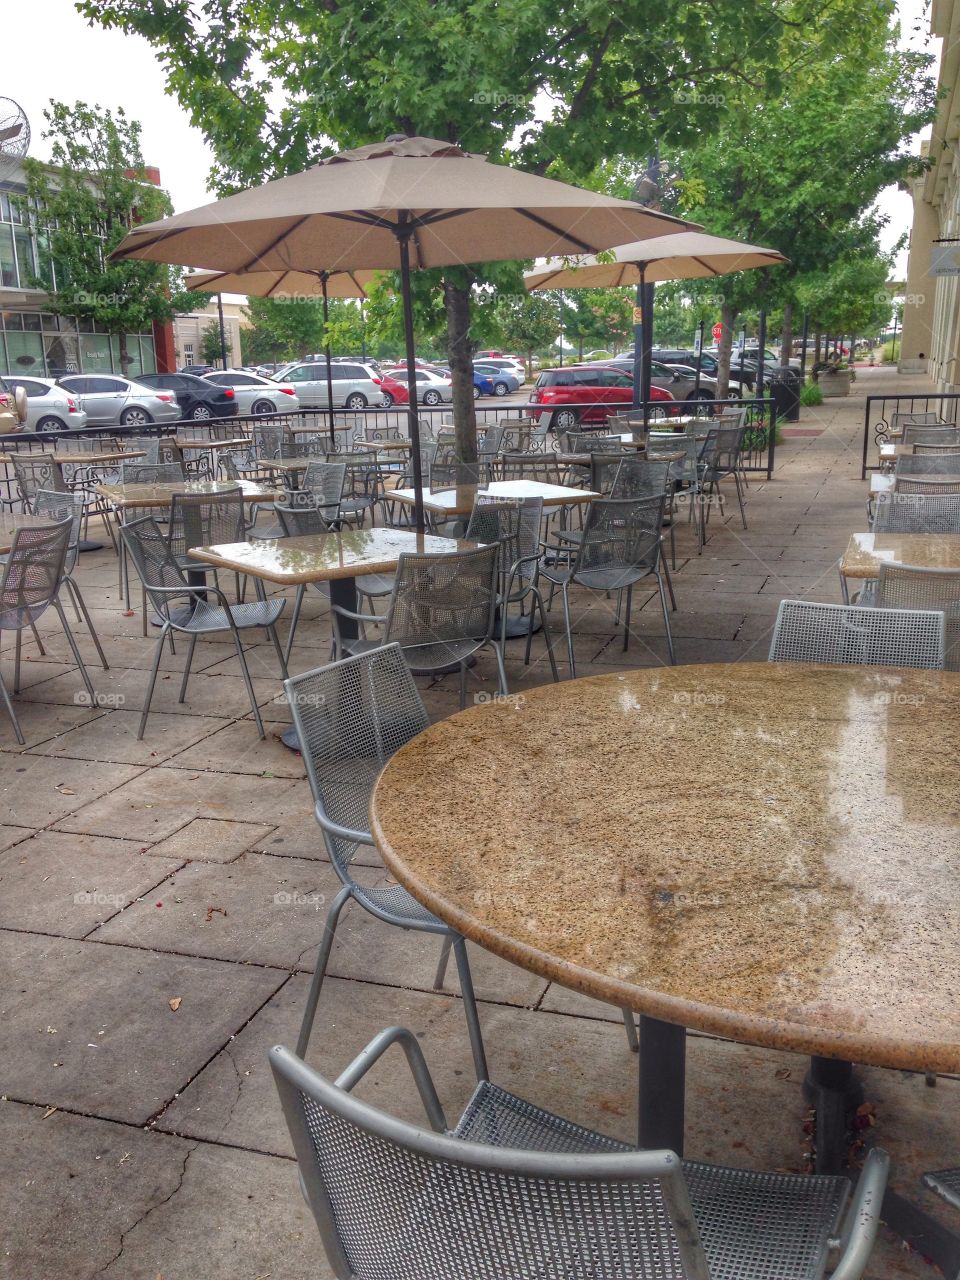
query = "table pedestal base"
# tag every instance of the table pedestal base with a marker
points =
(835, 1092)
(343, 592)
(663, 1057)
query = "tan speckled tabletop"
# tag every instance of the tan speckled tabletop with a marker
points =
(769, 852)
(866, 552)
(161, 495)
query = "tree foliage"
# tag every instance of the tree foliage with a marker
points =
(83, 204)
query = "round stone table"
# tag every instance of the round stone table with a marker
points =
(768, 852)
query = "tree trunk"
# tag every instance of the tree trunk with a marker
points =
(817, 340)
(580, 349)
(124, 353)
(728, 318)
(786, 336)
(457, 302)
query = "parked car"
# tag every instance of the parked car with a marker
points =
(392, 391)
(687, 357)
(678, 379)
(586, 384)
(507, 364)
(197, 369)
(49, 407)
(199, 400)
(431, 387)
(13, 407)
(256, 394)
(504, 382)
(109, 400)
(354, 385)
(482, 382)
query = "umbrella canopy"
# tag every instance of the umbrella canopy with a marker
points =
(405, 202)
(686, 255)
(284, 284)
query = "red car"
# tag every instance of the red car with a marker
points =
(594, 386)
(394, 392)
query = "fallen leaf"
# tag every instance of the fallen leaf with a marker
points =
(49, 1112)
(175, 1003)
(782, 1073)
(65, 791)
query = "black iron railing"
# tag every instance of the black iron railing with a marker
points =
(878, 417)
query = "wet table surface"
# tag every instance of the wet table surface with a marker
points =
(786, 875)
(325, 556)
(161, 495)
(187, 442)
(866, 552)
(460, 501)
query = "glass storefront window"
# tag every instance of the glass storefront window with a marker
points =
(46, 345)
(63, 353)
(24, 354)
(8, 261)
(95, 353)
(26, 260)
(148, 353)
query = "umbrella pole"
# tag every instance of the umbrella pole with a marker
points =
(412, 413)
(326, 349)
(638, 342)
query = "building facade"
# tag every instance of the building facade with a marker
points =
(188, 331)
(931, 305)
(32, 341)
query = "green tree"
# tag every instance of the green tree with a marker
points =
(267, 82)
(210, 349)
(528, 323)
(83, 203)
(291, 327)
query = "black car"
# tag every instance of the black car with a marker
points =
(198, 399)
(708, 364)
(198, 369)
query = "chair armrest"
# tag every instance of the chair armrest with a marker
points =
(342, 833)
(863, 1218)
(377, 619)
(408, 1042)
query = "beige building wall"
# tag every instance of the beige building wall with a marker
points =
(931, 314)
(188, 329)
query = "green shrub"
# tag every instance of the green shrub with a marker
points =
(811, 395)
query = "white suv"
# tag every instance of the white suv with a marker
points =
(354, 385)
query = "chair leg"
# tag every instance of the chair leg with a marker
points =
(548, 639)
(74, 648)
(666, 621)
(278, 648)
(743, 514)
(36, 636)
(11, 713)
(16, 661)
(501, 669)
(186, 669)
(626, 622)
(470, 1008)
(669, 581)
(633, 1040)
(566, 623)
(463, 685)
(440, 975)
(78, 599)
(319, 972)
(297, 603)
(247, 681)
(153, 680)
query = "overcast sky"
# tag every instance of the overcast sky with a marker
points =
(75, 61)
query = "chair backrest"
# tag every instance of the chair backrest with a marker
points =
(903, 586)
(351, 717)
(925, 462)
(512, 523)
(621, 540)
(683, 468)
(200, 435)
(641, 478)
(205, 520)
(849, 634)
(151, 472)
(900, 419)
(914, 433)
(490, 443)
(916, 513)
(396, 1202)
(517, 437)
(300, 519)
(169, 451)
(721, 450)
(604, 468)
(448, 475)
(325, 482)
(376, 435)
(42, 471)
(441, 599)
(32, 573)
(156, 564)
(950, 450)
(149, 446)
(88, 443)
(913, 484)
(267, 441)
(540, 467)
(60, 507)
(361, 479)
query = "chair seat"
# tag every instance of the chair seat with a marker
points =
(612, 579)
(257, 613)
(946, 1183)
(394, 901)
(421, 657)
(375, 584)
(761, 1226)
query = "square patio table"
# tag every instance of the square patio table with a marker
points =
(866, 552)
(336, 558)
(459, 501)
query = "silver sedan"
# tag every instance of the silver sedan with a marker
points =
(110, 400)
(49, 407)
(255, 393)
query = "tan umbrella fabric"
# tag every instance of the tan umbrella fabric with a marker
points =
(283, 284)
(686, 255)
(345, 213)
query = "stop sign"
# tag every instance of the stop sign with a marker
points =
(717, 332)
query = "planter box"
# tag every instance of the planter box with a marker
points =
(834, 384)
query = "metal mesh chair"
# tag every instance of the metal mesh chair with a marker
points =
(903, 586)
(913, 484)
(362, 485)
(936, 450)
(204, 520)
(69, 506)
(916, 513)
(149, 446)
(378, 435)
(900, 419)
(721, 459)
(914, 433)
(930, 464)
(185, 608)
(32, 573)
(151, 472)
(538, 467)
(512, 1190)
(350, 718)
(33, 473)
(621, 545)
(854, 635)
(441, 612)
(514, 525)
(946, 1184)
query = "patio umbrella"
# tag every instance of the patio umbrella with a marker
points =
(290, 284)
(403, 203)
(685, 255)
